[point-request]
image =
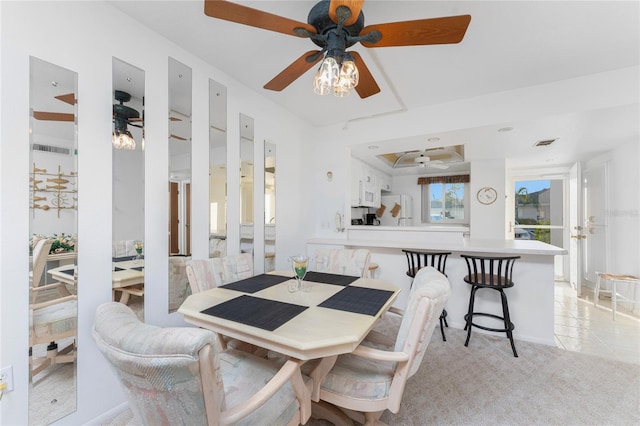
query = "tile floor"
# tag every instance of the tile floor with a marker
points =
(581, 327)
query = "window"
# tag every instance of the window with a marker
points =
(445, 199)
(539, 210)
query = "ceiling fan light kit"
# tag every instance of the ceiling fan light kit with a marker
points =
(334, 26)
(122, 114)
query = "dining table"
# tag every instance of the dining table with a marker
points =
(329, 316)
(127, 276)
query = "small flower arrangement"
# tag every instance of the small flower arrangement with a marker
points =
(60, 243)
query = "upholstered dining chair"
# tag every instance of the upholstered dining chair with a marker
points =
(353, 262)
(178, 376)
(205, 274)
(371, 379)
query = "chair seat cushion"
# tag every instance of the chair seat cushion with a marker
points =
(55, 319)
(358, 377)
(488, 280)
(243, 375)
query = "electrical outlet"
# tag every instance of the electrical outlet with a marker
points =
(6, 374)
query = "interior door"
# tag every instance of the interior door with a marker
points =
(576, 228)
(594, 253)
(174, 246)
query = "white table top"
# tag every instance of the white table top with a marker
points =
(315, 333)
(124, 278)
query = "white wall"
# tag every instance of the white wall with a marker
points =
(98, 33)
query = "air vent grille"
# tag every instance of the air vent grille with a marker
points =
(545, 142)
(51, 149)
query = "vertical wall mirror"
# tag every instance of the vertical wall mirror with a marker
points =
(128, 186)
(53, 224)
(179, 181)
(269, 206)
(246, 184)
(217, 169)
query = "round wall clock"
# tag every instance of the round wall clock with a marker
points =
(487, 195)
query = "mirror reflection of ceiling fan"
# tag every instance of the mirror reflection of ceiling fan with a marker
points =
(335, 26)
(69, 98)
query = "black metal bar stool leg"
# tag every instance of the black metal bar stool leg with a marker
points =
(443, 319)
(469, 316)
(508, 325)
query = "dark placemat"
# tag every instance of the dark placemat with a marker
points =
(360, 300)
(256, 312)
(257, 283)
(138, 268)
(68, 271)
(326, 278)
(118, 269)
(125, 258)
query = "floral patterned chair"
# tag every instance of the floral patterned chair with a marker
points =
(204, 274)
(353, 262)
(178, 376)
(370, 380)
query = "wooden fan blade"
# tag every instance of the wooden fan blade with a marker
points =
(180, 138)
(174, 119)
(446, 30)
(240, 14)
(69, 98)
(355, 6)
(367, 85)
(293, 71)
(53, 116)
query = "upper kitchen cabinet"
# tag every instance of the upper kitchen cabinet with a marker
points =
(366, 184)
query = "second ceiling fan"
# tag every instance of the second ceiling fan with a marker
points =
(334, 26)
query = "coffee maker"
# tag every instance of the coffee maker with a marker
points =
(371, 219)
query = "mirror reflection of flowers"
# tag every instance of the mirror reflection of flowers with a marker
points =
(60, 243)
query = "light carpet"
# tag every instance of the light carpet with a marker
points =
(483, 384)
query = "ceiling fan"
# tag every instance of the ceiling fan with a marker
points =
(334, 26)
(437, 158)
(69, 98)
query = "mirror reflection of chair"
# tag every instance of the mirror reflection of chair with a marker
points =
(354, 262)
(372, 379)
(178, 376)
(53, 317)
(418, 259)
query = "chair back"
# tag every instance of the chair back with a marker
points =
(123, 248)
(494, 271)
(237, 267)
(170, 375)
(418, 259)
(429, 293)
(354, 262)
(205, 274)
(40, 253)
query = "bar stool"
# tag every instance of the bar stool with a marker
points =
(493, 273)
(417, 259)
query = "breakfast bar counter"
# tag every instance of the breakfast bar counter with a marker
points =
(531, 300)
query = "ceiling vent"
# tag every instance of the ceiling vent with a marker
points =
(545, 142)
(51, 149)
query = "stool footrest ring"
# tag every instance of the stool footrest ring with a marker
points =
(497, 330)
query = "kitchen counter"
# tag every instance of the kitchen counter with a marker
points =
(531, 300)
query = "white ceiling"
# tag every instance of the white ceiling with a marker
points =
(508, 45)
